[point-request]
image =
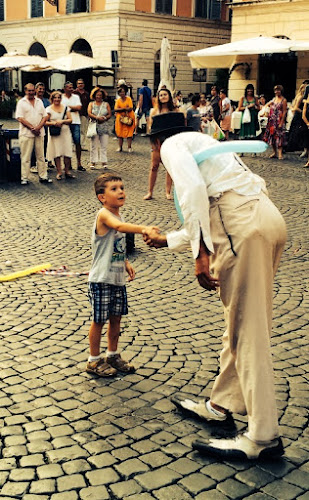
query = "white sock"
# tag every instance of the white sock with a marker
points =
(213, 410)
(93, 358)
(110, 353)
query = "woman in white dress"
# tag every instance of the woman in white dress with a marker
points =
(59, 145)
(99, 110)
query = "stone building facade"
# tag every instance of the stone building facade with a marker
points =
(123, 35)
(279, 18)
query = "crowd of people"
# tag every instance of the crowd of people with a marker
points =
(52, 124)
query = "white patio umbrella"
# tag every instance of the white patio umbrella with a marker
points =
(223, 56)
(165, 63)
(73, 62)
(300, 46)
(15, 60)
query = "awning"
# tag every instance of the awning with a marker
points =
(224, 56)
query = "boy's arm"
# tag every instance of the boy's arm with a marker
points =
(130, 270)
(108, 220)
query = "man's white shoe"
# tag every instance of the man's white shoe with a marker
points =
(201, 409)
(241, 447)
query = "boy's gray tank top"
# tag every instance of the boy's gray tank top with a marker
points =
(108, 256)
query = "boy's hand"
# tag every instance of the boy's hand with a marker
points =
(130, 270)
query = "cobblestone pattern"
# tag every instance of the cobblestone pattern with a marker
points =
(66, 435)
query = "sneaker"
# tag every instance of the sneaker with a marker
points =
(130, 150)
(120, 364)
(241, 447)
(119, 150)
(45, 181)
(34, 170)
(100, 368)
(24, 183)
(303, 154)
(81, 169)
(201, 409)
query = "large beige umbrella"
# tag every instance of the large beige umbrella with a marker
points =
(73, 62)
(224, 56)
(165, 63)
(15, 60)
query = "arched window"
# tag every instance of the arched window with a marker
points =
(81, 46)
(2, 50)
(37, 49)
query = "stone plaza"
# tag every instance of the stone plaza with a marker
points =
(67, 435)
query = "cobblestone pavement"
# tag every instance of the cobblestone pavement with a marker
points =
(66, 435)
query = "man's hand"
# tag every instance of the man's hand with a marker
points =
(35, 131)
(153, 238)
(202, 270)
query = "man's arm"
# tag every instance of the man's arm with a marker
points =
(202, 269)
(140, 100)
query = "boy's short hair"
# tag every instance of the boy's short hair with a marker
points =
(103, 179)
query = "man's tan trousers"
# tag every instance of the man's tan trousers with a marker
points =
(249, 234)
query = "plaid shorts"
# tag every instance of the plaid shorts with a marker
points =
(107, 300)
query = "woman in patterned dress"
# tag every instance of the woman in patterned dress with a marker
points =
(275, 130)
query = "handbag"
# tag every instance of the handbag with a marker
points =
(92, 129)
(126, 120)
(236, 120)
(215, 131)
(53, 130)
(246, 117)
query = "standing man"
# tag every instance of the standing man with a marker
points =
(32, 116)
(237, 237)
(193, 114)
(85, 99)
(144, 104)
(214, 101)
(40, 92)
(72, 101)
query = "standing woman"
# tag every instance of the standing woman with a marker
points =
(165, 104)
(59, 145)
(99, 110)
(250, 101)
(305, 116)
(275, 130)
(225, 113)
(124, 108)
(298, 130)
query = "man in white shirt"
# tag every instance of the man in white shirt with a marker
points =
(73, 103)
(31, 114)
(236, 236)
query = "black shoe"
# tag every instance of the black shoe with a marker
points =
(81, 169)
(45, 181)
(240, 447)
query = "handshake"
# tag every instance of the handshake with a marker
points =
(153, 238)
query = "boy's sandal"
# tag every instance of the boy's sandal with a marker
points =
(69, 176)
(100, 368)
(59, 177)
(120, 364)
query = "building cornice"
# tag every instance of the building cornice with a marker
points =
(247, 3)
(167, 19)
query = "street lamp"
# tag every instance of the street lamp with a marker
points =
(173, 71)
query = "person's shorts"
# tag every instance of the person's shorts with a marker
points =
(75, 131)
(107, 300)
(146, 112)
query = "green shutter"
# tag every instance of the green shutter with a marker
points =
(215, 9)
(36, 8)
(70, 7)
(1, 10)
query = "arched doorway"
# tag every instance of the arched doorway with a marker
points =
(36, 49)
(278, 69)
(4, 76)
(81, 46)
(156, 76)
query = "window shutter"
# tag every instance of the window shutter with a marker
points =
(70, 7)
(1, 10)
(36, 8)
(215, 9)
(164, 6)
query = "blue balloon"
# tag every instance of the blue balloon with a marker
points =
(221, 148)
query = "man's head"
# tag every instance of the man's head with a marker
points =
(107, 182)
(30, 91)
(68, 88)
(80, 84)
(165, 125)
(40, 90)
(145, 83)
(195, 101)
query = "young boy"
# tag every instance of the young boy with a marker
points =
(107, 291)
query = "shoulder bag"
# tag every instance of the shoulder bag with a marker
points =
(92, 126)
(53, 130)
